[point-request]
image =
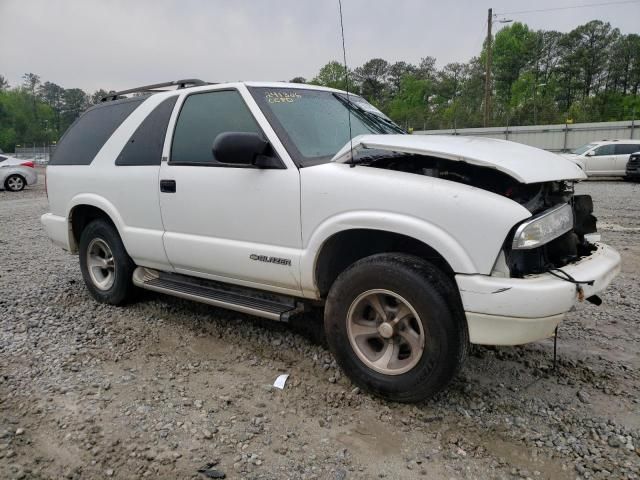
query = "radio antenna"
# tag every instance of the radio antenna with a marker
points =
(346, 77)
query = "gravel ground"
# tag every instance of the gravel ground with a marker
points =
(164, 387)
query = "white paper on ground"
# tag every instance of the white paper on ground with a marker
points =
(280, 381)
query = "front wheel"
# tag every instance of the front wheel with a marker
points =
(14, 183)
(395, 326)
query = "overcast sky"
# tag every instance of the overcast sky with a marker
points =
(118, 44)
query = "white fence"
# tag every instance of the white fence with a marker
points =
(555, 138)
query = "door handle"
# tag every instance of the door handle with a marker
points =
(168, 186)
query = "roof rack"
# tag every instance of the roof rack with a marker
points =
(156, 87)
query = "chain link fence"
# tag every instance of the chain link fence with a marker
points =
(39, 154)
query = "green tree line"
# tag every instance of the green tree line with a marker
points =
(590, 74)
(39, 113)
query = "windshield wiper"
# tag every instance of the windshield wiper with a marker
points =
(377, 120)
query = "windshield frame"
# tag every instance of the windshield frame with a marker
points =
(377, 125)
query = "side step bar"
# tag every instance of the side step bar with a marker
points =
(231, 297)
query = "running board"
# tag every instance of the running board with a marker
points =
(231, 297)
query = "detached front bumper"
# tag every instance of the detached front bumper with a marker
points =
(513, 311)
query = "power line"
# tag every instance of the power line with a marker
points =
(570, 7)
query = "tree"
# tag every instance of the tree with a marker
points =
(4, 84)
(409, 105)
(298, 80)
(52, 95)
(30, 82)
(426, 69)
(75, 101)
(24, 119)
(624, 63)
(512, 52)
(397, 71)
(585, 54)
(332, 75)
(371, 78)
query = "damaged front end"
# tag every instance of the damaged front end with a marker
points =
(564, 221)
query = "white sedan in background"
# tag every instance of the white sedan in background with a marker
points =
(16, 173)
(607, 158)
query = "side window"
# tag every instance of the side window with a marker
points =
(627, 148)
(86, 136)
(605, 150)
(145, 145)
(202, 118)
(2, 159)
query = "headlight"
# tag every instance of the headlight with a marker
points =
(544, 227)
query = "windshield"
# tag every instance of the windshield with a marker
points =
(314, 124)
(583, 148)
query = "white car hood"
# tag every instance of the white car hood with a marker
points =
(522, 162)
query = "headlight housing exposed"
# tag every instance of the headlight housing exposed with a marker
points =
(544, 227)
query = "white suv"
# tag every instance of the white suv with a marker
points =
(607, 158)
(273, 198)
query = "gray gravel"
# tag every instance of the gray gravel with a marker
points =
(164, 388)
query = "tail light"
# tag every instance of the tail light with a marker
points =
(28, 164)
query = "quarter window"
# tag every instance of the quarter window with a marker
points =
(203, 117)
(145, 145)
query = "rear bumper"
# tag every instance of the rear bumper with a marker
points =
(512, 311)
(57, 229)
(31, 176)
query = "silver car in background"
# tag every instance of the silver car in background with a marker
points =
(16, 173)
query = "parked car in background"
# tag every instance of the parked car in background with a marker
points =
(607, 158)
(16, 173)
(633, 167)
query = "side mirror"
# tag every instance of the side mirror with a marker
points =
(590, 154)
(243, 149)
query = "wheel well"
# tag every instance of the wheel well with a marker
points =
(15, 175)
(346, 248)
(80, 217)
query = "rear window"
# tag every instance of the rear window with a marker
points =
(145, 145)
(627, 148)
(86, 136)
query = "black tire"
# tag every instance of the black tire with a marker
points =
(10, 182)
(435, 299)
(121, 289)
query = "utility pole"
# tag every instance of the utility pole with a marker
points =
(487, 79)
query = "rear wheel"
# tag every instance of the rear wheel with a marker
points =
(395, 326)
(14, 183)
(106, 267)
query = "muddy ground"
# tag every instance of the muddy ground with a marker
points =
(163, 387)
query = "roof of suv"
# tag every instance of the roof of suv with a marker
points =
(624, 140)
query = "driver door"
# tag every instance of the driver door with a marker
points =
(233, 223)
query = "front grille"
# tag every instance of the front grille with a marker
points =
(634, 163)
